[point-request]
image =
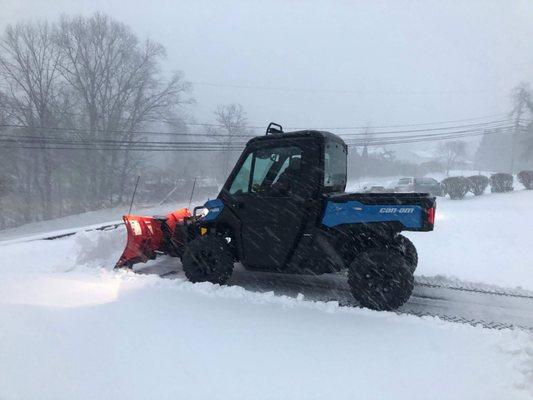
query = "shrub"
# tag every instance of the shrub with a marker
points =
(479, 184)
(456, 186)
(501, 182)
(526, 179)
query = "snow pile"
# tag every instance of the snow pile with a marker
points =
(88, 249)
(481, 239)
(100, 249)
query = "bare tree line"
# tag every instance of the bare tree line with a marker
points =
(91, 74)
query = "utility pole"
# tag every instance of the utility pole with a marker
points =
(228, 150)
(365, 159)
(367, 136)
(519, 112)
(521, 96)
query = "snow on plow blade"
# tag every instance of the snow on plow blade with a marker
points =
(148, 236)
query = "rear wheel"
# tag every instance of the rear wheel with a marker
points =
(381, 279)
(208, 259)
(408, 249)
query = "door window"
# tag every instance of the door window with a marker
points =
(276, 170)
(241, 181)
(271, 171)
(264, 160)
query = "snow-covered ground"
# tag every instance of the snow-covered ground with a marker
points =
(94, 335)
(70, 327)
(482, 239)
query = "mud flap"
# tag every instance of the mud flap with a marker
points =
(148, 236)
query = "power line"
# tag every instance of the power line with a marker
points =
(217, 146)
(490, 124)
(439, 138)
(127, 132)
(117, 149)
(334, 91)
(63, 140)
(370, 127)
(465, 132)
(478, 125)
(224, 143)
(416, 124)
(346, 127)
(15, 137)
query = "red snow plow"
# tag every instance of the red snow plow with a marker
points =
(148, 236)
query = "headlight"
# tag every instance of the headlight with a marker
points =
(201, 211)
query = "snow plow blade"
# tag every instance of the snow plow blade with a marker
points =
(149, 236)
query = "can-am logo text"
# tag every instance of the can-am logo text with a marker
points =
(394, 210)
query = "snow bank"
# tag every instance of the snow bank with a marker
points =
(88, 249)
(100, 249)
(484, 239)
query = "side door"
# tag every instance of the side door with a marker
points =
(271, 204)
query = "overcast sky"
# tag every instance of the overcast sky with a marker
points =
(342, 62)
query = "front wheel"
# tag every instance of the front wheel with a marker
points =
(208, 259)
(381, 279)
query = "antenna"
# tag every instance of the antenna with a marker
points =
(192, 193)
(134, 191)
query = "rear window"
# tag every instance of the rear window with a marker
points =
(334, 166)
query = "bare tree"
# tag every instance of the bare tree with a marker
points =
(452, 152)
(232, 119)
(120, 88)
(88, 84)
(522, 100)
(29, 66)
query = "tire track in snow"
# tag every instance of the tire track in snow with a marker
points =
(453, 301)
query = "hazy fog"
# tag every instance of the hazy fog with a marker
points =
(396, 61)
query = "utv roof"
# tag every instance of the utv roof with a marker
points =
(297, 134)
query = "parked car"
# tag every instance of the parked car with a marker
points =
(373, 189)
(419, 185)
